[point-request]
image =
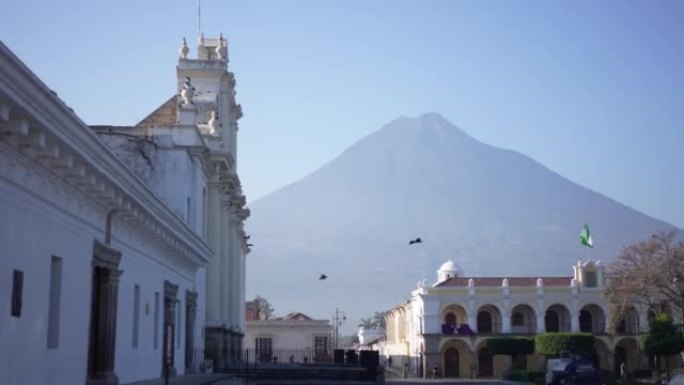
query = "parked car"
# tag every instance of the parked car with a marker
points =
(555, 370)
(677, 379)
(573, 370)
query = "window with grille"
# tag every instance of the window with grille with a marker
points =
(264, 349)
(320, 345)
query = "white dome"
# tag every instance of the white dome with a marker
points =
(450, 266)
(448, 270)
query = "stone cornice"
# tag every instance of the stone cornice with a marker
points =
(44, 128)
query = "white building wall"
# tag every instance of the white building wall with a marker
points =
(286, 334)
(33, 228)
(140, 268)
(36, 224)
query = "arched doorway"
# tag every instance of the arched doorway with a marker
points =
(484, 322)
(551, 321)
(451, 363)
(485, 363)
(585, 321)
(620, 357)
(523, 320)
(557, 318)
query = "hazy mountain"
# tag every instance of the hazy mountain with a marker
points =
(493, 211)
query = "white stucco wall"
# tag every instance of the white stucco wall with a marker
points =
(287, 334)
(42, 220)
(35, 225)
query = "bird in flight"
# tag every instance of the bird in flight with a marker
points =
(417, 240)
(322, 277)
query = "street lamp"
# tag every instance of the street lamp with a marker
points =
(339, 319)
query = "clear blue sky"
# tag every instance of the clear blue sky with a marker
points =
(592, 89)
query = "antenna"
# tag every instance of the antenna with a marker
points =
(199, 17)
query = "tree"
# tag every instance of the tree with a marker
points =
(663, 339)
(647, 275)
(264, 307)
(366, 323)
(379, 319)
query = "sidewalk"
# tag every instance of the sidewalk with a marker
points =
(194, 379)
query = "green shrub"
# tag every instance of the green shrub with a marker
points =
(556, 344)
(520, 376)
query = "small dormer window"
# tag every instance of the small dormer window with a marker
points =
(590, 279)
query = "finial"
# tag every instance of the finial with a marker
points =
(184, 50)
(221, 52)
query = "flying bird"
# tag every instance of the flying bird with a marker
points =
(322, 277)
(417, 240)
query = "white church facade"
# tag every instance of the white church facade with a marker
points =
(122, 248)
(447, 324)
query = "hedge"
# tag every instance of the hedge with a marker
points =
(510, 345)
(556, 344)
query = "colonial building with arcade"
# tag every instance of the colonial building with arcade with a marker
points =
(447, 324)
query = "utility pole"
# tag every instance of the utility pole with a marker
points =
(339, 319)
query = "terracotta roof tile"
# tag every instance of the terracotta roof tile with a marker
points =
(163, 116)
(512, 281)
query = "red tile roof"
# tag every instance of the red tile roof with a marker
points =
(512, 281)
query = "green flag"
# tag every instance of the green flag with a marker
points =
(585, 237)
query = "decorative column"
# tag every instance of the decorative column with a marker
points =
(574, 312)
(541, 313)
(213, 334)
(213, 292)
(472, 316)
(505, 314)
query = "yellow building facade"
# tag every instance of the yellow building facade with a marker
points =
(447, 324)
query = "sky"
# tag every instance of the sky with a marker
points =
(592, 89)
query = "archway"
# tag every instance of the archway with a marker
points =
(620, 357)
(557, 319)
(485, 363)
(632, 355)
(585, 321)
(488, 320)
(454, 315)
(629, 322)
(523, 320)
(451, 363)
(484, 322)
(592, 319)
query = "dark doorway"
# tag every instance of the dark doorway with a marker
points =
(585, 321)
(485, 363)
(451, 364)
(484, 322)
(103, 313)
(190, 310)
(169, 342)
(620, 357)
(551, 321)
